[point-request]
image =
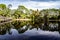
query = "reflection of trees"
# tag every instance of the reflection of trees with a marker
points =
(24, 26)
(44, 26)
(53, 26)
(4, 29)
(59, 27)
(46, 22)
(21, 27)
(16, 24)
(35, 25)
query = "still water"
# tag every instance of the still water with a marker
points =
(23, 30)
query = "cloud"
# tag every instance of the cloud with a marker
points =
(15, 0)
(31, 0)
(44, 0)
(30, 4)
(41, 5)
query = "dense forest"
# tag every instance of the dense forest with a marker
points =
(23, 13)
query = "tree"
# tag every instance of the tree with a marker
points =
(9, 6)
(2, 6)
(9, 10)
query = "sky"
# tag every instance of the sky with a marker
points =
(32, 4)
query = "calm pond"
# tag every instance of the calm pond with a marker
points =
(26, 30)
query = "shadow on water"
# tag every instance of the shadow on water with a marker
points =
(26, 30)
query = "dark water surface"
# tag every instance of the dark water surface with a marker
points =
(19, 30)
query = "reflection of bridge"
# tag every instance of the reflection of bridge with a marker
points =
(54, 20)
(5, 20)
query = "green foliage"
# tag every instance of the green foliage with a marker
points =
(2, 6)
(23, 12)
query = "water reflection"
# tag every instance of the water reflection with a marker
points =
(22, 27)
